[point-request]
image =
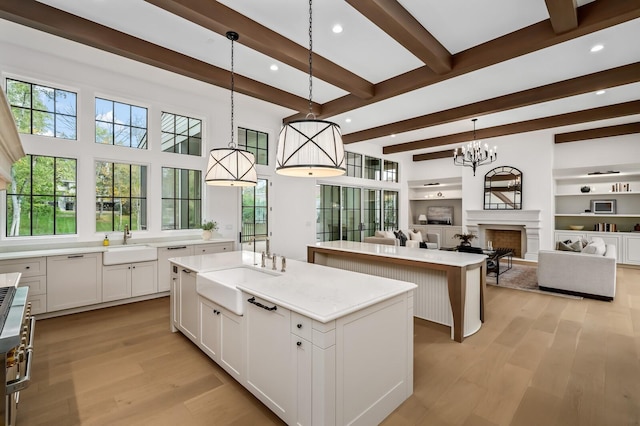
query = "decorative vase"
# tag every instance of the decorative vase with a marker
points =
(206, 234)
(585, 189)
(465, 243)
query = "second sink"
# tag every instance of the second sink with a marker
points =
(220, 286)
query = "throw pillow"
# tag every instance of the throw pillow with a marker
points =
(574, 246)
(415, 235)
(379, 234)
(597, 240)
(595, 247)
(389, 234)
(403, 238)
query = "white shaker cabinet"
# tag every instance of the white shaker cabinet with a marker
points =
(188, 304)
(212, 248)
(164, 267)
(631, 247)
(33, 275)
(74, 281)
(128, 280)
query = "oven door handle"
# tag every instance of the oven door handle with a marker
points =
(17, 385)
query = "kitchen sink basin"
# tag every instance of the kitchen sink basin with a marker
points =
(129, 254)
(220, 286)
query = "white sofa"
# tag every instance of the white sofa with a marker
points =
(432, 241)
(589, 275)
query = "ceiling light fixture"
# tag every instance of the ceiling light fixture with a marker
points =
(596, 48)
(474, 154)
(601, 92)
(337, 28)
(231, 166)
(273, 67)
(310, 147)
(347, 120)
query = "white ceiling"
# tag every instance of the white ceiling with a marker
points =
(367, 51)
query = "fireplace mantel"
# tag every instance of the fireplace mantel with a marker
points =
(529, 219)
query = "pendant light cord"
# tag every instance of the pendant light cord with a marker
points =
(310, 60)
(232, 144)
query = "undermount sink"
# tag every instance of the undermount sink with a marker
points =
(220, 286)
(129, 254)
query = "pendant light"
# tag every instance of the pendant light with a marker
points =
(231, 166)
(310, 147)
(474, 154)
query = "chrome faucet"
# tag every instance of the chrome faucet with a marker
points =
(274, 258)
(127, 234)
(284, 264)
(253, 240)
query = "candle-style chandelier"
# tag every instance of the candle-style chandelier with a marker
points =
(474, 154)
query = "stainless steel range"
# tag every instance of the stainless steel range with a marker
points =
(16, 344)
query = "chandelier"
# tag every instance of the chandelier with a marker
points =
(310, 147)
(474, 154)
(231, 166)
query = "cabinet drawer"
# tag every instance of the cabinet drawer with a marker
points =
(38, 303)
(301, 326)
(212, 248)
(30, 267)
(37, 285)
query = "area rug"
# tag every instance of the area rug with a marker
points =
(523, 277)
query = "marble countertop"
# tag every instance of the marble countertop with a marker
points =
(318, 292)
(442, 257)
(62, 251)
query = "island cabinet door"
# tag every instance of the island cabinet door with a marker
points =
(188, 299)
(270, 374)
(210, 329)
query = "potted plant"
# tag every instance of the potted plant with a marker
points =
(465, 239)
(207, 229)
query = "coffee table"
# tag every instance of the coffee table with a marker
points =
(496, 257)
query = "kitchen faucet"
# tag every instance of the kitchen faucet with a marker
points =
(264, 238)
(127, 234)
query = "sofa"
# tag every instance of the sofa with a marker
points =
(585, 274)
(430, 241)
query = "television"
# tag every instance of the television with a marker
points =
(603, 206)
(440, 215)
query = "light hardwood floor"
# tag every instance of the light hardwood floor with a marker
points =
(538, 360)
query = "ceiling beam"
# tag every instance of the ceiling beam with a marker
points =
(219, 18)
(563, 15)
(54, 21)
(577, 117)
(395, 20)
(592, 17)
(600, 132)
(576, 86)
(433, 155)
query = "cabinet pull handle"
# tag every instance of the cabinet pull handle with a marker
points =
(27, 267)
(260, 305)
(299, 326)
(176, 248)
(186, 271)
(299, 343)
(75, 256)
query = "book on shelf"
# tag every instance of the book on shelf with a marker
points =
(605, 227)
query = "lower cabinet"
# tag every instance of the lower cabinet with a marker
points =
(188, 304)
(128, 280)
(221, 337)
(164, 268)
(33, 275)
(212, 248)
(74, 281)
(631, 248)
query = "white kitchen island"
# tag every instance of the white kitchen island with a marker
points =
(316, 345)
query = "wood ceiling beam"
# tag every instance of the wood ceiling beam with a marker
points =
(433, 155)
(44, 18)
(577, 117)
(592, 17)
(219, 18)
(576, 86)
(600, 132)
(563, 15)
(395, 20)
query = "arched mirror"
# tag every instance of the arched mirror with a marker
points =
(503, 189)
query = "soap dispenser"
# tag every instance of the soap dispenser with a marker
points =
(105, 242)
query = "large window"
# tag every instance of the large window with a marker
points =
(354, 164)
(255, 209)
(255, 142)
(121, 196)
(372, 167)
(121, 124)
(42, 110)
(371, 211)
(390, 210)
(351, 214)
(181, 198)
(327, 213)
(390, 171)
(182, 135)
(42, 197)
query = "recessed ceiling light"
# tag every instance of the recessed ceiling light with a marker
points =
(393, 135)
(597, 48)
(337, 28)
(273, 67)
(347, 120)
(601, 92)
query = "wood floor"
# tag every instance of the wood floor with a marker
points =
(538, 360)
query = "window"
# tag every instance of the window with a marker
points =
(121, 196)
(351, 208)
(42, 110)
(182, 135)
(327, 213)
(42, 197)
(181, 198)
(121, 124)
(390, 171)
(371, 211)
(255, 142)
(372, 168)
(390, 212)
(354, 164)
(255, 210)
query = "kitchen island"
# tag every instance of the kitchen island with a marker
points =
(450, 285)
(316, 345)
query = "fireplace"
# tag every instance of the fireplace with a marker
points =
(515, 229)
